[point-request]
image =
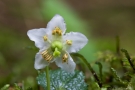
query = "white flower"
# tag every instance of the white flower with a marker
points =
(55, 45)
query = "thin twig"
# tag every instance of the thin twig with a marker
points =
(129, 59)
(118, 52)
(118, 45)
(90, 68)
(100, 70)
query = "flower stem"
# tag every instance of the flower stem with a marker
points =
(48, 78)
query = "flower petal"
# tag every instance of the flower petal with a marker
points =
(67, 66)
(36, 35)
(78, 41)
(56, 21)
(40, 62)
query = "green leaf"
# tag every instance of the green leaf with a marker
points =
(62, 80)
(119, 89)
(17, 87)
(131, 85)
(93, 86)
(29, 88)
(5, 87)
(117, 78)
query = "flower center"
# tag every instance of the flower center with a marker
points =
(57, 31)
(56, 47)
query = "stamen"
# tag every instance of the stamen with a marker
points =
(44, 52)
(45, 38)
(65, 58)
(48, 58)
(57, 31)
(53, 32)
(69, 42)
(46, 55)
(60, 32)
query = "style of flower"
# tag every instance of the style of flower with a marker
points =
(55, 45)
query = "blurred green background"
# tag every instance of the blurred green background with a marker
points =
(100, 21)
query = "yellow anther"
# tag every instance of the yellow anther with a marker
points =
(60, 32)
(53, 32)
(65, 58)
(57, 31)
(69, 42)
(44, 52)
(46, 55)
(45, 38)
(49, 58)
(57, 28)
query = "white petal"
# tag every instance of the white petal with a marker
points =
(40, 63)
(56, 21)
(67, 66)
(36, 35)
(78, 41)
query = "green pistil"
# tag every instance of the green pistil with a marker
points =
(56, 47)
(57, 44)
(56, 53)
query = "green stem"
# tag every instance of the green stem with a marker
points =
(128, 58)
(118, 53)
(48, 78)
(90, 68)
(100, 70)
